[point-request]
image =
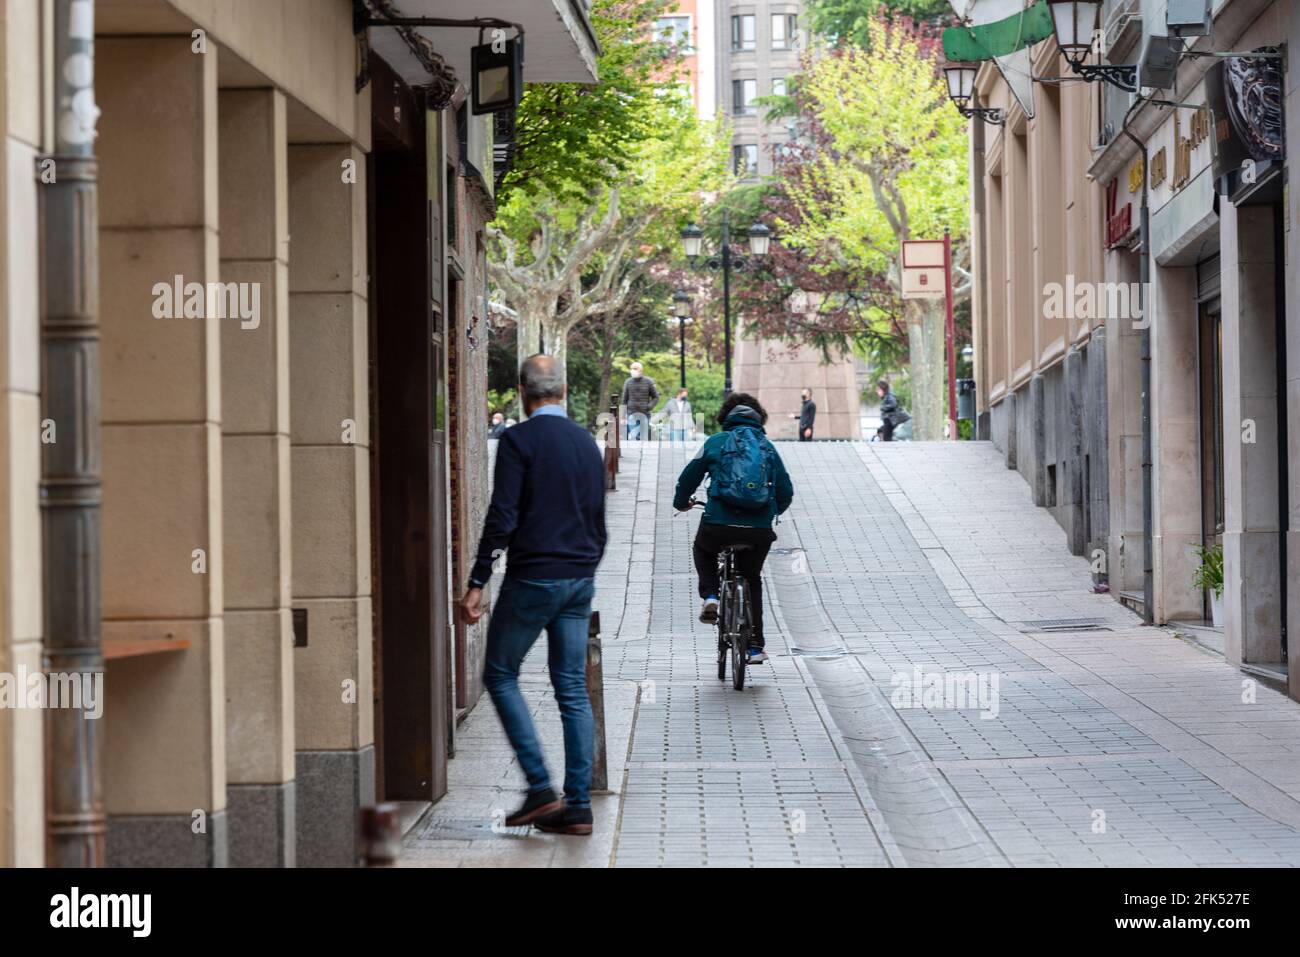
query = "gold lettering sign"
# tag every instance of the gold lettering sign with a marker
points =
(1183, 146)
(1159, 167)
(1135, 174)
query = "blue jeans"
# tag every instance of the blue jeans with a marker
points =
(523, 608)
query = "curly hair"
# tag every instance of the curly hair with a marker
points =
(741, 398)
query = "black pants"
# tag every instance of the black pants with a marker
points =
(711, 539)
(803, 437)
(886, 431)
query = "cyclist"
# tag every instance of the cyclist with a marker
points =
(739, 455)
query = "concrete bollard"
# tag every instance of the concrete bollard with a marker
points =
(596, 692)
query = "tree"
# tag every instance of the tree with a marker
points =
(570, 137)
(558, 261)
(888, 163)
(849, 21)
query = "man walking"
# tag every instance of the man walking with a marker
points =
(498, 426)
(806, 415)
(548, 514)
(677, 411)
(639, 398)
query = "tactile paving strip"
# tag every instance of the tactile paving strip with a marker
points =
(719, 817)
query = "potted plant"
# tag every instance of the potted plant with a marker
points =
(1209, 575)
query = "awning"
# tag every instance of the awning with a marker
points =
(559, 45)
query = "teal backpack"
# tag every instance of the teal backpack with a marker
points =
(743, 480)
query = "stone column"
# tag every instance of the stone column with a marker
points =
(1251, 579)
(1072, 485)
(1035, 470)
(165, 767)
(22, 745)
(255, 480)
(1176, 478)
(330, 438)
(1123, 386)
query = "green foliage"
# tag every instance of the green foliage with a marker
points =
(703, 382)
(1209, 574)
(505, 401)
(849, 21)
(573, 137)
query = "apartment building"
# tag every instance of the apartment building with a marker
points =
(1155, 420)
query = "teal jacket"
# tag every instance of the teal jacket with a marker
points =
(709, 458)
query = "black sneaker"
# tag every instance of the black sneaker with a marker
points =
(570, 820)
(537, 804)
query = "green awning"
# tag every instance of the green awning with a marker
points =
(999, 38)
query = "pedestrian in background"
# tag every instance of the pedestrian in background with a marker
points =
(806, 415)
(678, 412)
(498, 426)
(548, 517)
(640, 396)
(891, 413)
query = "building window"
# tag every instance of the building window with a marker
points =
(785, 29)
(742, 32)
(743, 94)
(746, 159)
(779, 86)
(676, 32)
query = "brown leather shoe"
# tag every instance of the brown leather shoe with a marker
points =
(539, 804)
(570, 820)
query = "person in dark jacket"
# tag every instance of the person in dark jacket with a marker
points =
(806, 415)
(548, 518)
(724, 524)
(891, 413)
(640, 395)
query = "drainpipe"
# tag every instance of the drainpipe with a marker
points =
(1148, 510)
(76, 826)
(977, 278)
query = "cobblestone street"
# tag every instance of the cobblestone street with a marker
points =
(1104, 742)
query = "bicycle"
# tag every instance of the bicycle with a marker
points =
(735, 621)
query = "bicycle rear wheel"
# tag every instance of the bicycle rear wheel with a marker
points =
(736, 631)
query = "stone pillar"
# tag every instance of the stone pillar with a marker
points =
(165, 768)
(1035, 469)
(22, 745)
(1175, 444)
(1071, 505)
(1013, 444)
(1125, 543)
(330, 437)
(1251, 580)
(1097, 448)
(255, 480)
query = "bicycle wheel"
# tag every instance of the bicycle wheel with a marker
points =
(735, 632)
(722, 649)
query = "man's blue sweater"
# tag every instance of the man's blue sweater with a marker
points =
(548, 502)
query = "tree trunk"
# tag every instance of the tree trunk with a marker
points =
(928, 361)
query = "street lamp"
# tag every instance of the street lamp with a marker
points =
(760, 241)
(682, 310)
(961, 90)
(1074, 23)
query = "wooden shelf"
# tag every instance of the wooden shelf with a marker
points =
(135, 647)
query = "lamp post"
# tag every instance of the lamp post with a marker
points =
(760, 240)
(682, 310)
(961, 90)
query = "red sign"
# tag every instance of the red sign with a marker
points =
(1119, 222)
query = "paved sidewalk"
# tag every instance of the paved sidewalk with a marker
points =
(899, 563)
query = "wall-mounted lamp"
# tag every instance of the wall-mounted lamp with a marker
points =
(1074, 23)
(961, 90)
